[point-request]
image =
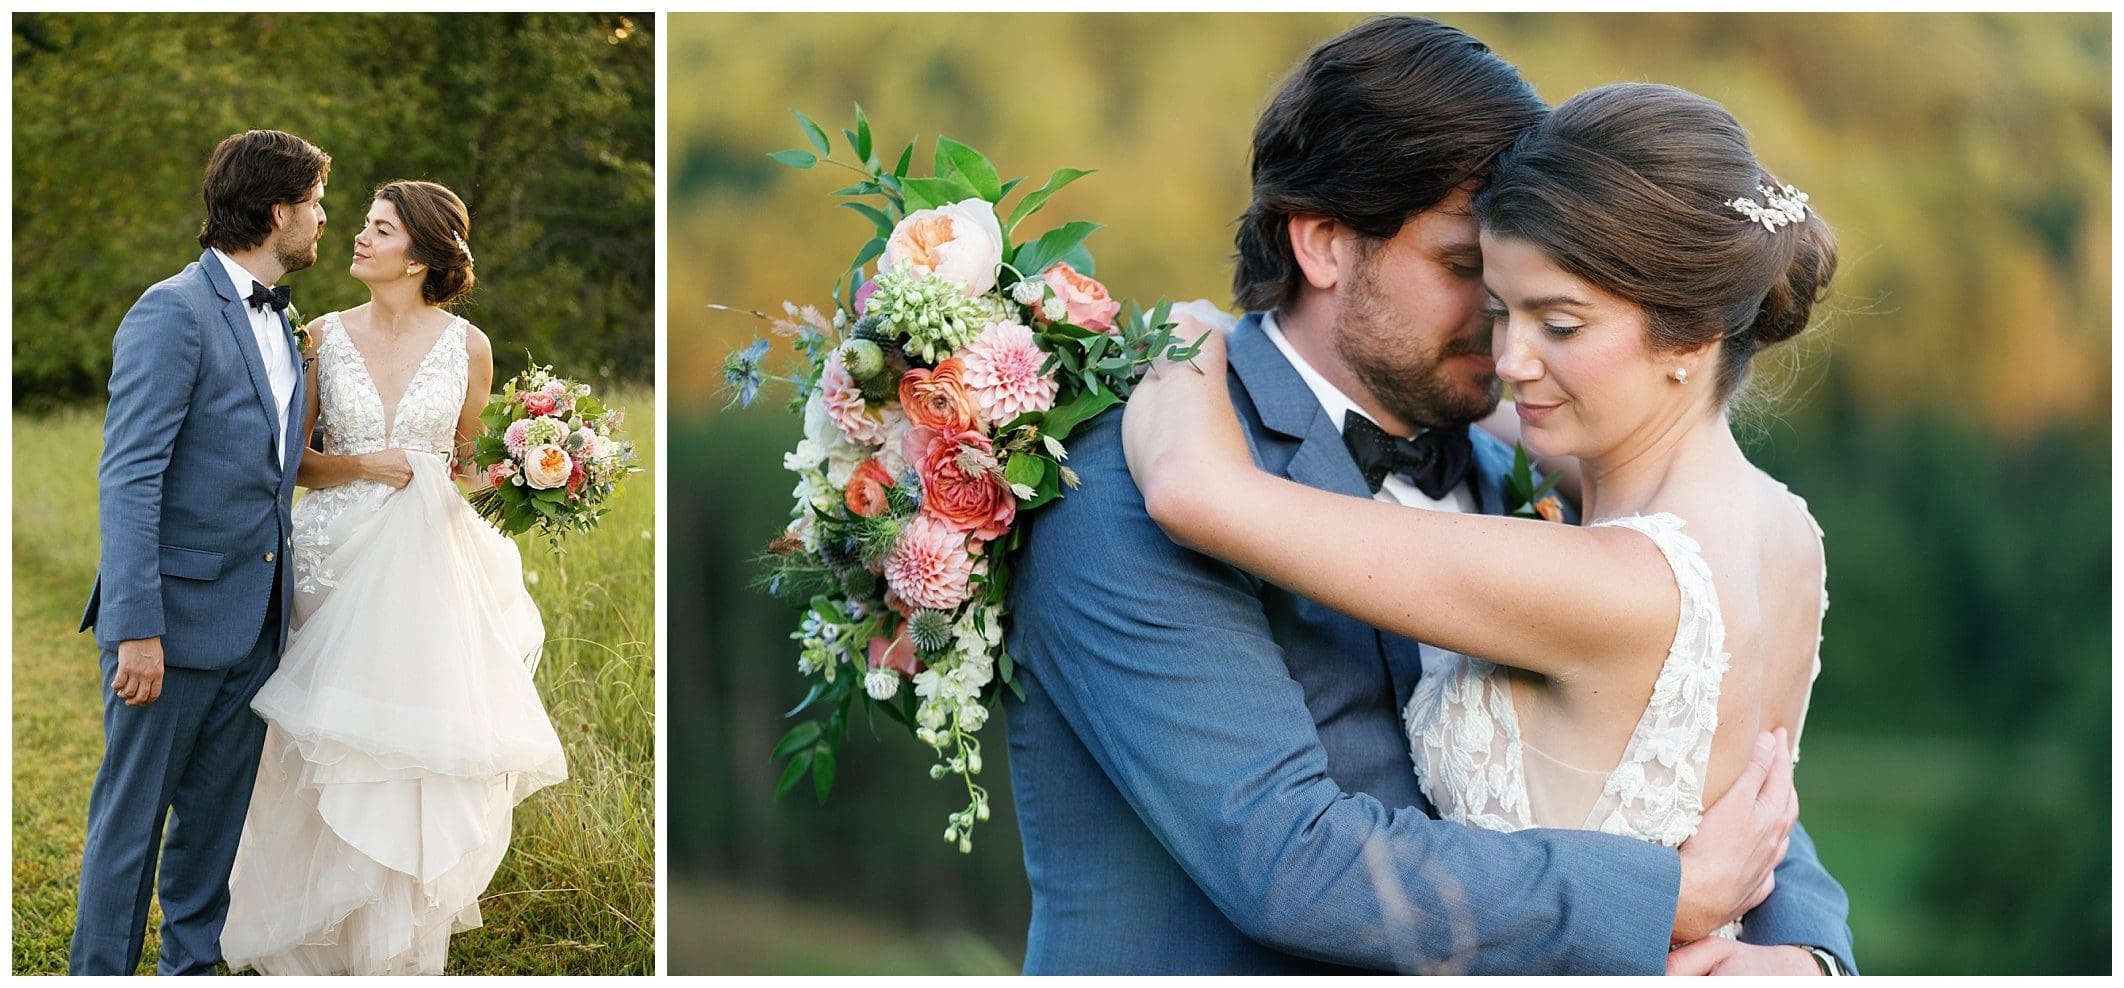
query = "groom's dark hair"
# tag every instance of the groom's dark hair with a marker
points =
(248, 175)
(1380, 123)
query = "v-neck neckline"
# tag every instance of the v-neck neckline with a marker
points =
(390, 409)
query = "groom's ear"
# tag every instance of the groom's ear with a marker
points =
(281, 213)
(1318, 244)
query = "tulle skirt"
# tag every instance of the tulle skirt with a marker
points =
(402, 730)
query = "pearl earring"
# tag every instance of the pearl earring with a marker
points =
(1681, 375)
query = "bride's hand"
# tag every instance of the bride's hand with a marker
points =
(1179, 431)
(388, 467)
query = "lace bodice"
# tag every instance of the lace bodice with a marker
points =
(352, 413)
(351, 409)
(1472, 763)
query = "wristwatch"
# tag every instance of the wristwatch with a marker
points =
(1831, 967)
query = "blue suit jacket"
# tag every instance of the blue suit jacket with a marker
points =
(193, 498)
(1211, 774)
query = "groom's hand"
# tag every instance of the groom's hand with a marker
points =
(139, 679)
(1728, 867)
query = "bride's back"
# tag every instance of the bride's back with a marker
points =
(1766, 558)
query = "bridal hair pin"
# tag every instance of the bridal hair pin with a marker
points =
(1780, 206)
(461, 245)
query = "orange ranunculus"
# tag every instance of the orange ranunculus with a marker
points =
(955, 490)
(1549, 508)
(866, 489)
(938, 399)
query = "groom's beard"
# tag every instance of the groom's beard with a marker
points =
(1408, 380)
(295, 254)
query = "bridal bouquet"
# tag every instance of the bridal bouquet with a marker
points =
(551, 454)
(935, 398)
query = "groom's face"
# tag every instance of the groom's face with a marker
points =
(1409, 323)
(302, 223)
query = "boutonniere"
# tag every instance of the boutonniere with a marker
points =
(1525, 499)
(299, 334)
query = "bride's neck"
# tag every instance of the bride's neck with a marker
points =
(397, 307)
(1630, 479)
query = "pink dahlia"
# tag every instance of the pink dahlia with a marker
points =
(845, 404)
(929, 566)
(515, 439)
(1003, 372)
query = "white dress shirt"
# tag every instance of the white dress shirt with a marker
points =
(1395, 490)
(275, 348)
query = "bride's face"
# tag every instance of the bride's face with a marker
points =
(1584, 376)
(381, 245)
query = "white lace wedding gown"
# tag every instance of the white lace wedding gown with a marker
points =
(402, 725)
(1475, 767)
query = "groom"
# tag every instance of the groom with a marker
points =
(1211, 774)
(200, 445)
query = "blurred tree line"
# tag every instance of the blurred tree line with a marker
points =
(543, 123)
(1949, 423)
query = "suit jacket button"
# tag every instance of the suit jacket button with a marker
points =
(269, 557)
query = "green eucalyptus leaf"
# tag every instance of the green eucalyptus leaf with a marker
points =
(800, 736)
(876, 216)
(822, 763)
(1038, 197)
(862, 134)
(814, 132)
(794, 773)
(796, 158)
(870, 250)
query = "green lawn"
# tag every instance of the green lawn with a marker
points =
(577, 893)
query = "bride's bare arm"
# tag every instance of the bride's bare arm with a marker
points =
(479, 379)
(1539, 596)
(320, 469)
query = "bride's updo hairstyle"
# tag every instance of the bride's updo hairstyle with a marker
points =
(441, 232)
(1631, 188)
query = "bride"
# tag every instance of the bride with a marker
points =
(402, 724)
(1637, 257)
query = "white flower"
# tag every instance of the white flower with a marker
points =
(1028, 291)
(1023, 492)
(1054, 447)
(807, 455)
(1056, 308)
(972, 716)
(881, 684)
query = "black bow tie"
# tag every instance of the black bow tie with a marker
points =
(1436, 461)
(261, 296)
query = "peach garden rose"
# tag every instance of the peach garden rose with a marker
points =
(961, 243)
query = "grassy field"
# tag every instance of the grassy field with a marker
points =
(576, 895)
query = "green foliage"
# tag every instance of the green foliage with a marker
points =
(576, 893)
(542, 123)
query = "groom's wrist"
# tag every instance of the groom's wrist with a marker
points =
(1826, 961)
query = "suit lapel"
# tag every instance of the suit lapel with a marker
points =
(1288, 407)
(1320, 460)
(239, 322)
